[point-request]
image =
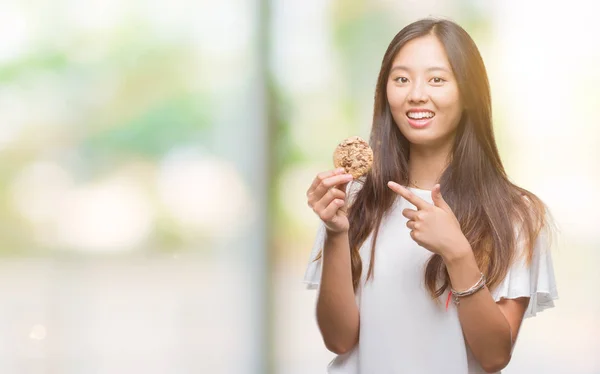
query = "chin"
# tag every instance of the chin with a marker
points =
(423, 137)
(414, 136)
(418, 140)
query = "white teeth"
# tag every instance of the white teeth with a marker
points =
(420, 115)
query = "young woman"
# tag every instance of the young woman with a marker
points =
(430, 262)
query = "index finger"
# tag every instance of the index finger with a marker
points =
(408, 195)
(337, 181)
(322, 176)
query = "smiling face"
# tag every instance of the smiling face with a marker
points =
(423, 94)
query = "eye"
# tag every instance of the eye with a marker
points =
(401, 80)
(437, 80)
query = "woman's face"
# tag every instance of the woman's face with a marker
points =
(423, 93)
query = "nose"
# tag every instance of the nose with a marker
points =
(417, 93)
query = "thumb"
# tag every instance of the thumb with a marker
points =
(342, 187)
(438, 200)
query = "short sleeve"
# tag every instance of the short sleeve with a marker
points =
(312, 275)
(535, 280)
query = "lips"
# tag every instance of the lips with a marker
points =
(420, 118)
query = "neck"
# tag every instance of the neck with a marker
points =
(426, 165)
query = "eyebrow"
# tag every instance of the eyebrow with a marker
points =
(433, 68)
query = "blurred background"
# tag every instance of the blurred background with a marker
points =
(154, 158)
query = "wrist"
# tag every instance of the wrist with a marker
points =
(335, 235)
(463, 269)
(459, 253)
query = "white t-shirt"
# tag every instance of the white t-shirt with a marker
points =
(401, 329)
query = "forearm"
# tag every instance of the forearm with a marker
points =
(486, 330)
(337, 312)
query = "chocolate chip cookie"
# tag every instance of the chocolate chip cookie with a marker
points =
(354, 155)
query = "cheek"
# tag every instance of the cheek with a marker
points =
(394, 96)
(449, 103)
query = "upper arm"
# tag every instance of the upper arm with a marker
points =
(514, 310)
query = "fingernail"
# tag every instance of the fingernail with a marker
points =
(340, 170)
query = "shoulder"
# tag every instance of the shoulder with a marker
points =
(534, 227)
(530, 212)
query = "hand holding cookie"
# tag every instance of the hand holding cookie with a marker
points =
(327, 194)
(327, 197)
